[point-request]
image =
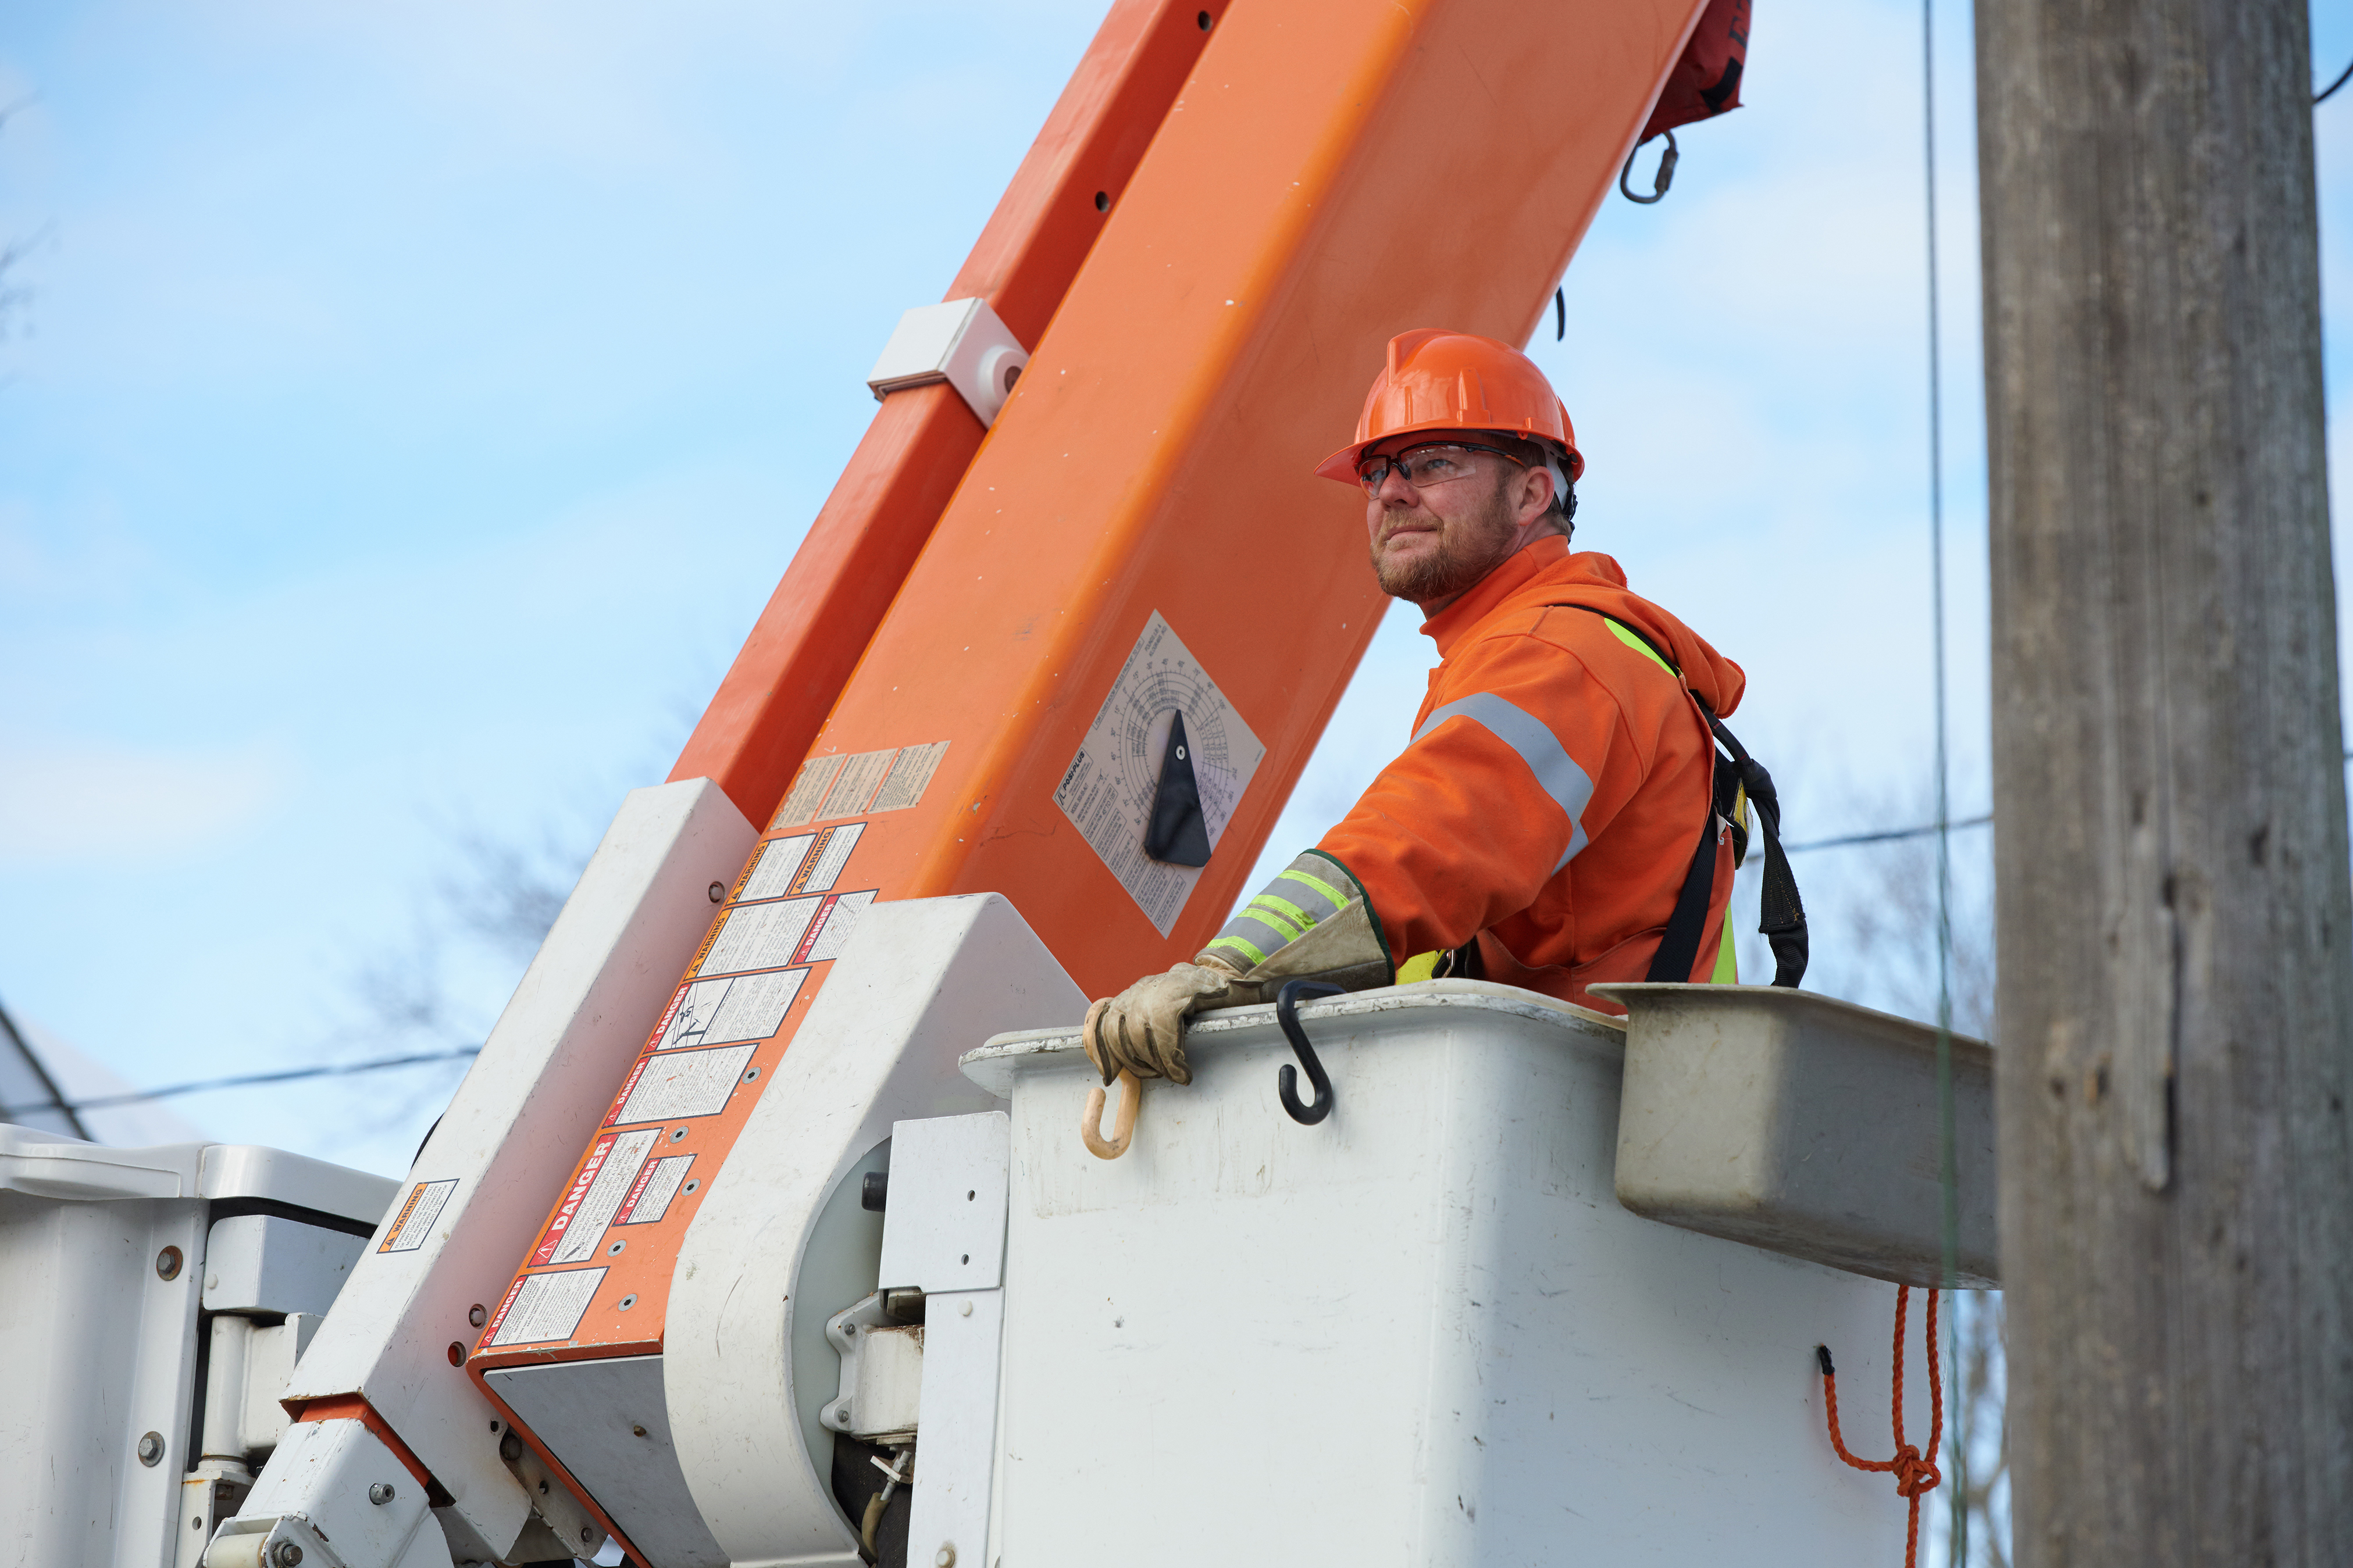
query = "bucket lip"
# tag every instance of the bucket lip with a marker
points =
(995, 1064)
(1655, 1009)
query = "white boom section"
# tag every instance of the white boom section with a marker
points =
(1422, 1331)
(781, 1244)
(485, 1178)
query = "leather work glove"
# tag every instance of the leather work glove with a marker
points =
(1142, 1029)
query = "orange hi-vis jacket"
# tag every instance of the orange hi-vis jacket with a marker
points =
(1555, 786)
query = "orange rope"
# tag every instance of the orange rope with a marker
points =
(1913, 1473)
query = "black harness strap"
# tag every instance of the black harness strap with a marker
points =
(1782, 914)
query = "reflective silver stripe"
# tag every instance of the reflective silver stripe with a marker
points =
(1305, 885)
(1257, 933)
(1313, 883)
(1555, 770)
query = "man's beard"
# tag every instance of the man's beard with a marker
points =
(1465, 554)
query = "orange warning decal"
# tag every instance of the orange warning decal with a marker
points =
(425, 1204)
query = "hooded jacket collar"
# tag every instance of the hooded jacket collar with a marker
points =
(1544, 573)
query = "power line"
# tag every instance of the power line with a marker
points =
(243, 1081)
(1890, 835)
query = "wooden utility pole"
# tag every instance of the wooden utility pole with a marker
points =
(2176, 1001)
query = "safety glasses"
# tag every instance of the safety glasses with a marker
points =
(1433, 463)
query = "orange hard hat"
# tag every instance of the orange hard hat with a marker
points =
(1437, 380)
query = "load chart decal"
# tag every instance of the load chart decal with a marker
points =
(827, 787)
(1107, 790)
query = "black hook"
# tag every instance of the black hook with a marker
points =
(1286, 1013)
(1560, 313)
(1665, 177)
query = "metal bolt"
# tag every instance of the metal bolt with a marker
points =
(585, 1532)
(167, 1263)
(964, 1309)
(380, 1493)
(849, 1330)
(946, 1557)
(457, 1354)
(718, 891)
(676, 1133)
(150, 1449)
(637, 1431)
(628, 1301)
(476, 1316)
(286, 1554)
(615, 1250)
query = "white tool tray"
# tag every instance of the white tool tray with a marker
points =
(1805, 1125)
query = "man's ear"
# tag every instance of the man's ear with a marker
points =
(1534, 494)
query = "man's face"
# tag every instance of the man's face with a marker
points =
(1430, 544)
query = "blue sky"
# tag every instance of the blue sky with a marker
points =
(413, 407)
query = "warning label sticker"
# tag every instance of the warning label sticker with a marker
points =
(1108, 789)
(648, 1200)
(778, 863)
(544, 1307)
(414, 1224)
(862, 783)
(576, 1243)
(668, 1085)
(759, 936)
(829, 932)
(805, 863)
(600, 1154)
(721, 1012)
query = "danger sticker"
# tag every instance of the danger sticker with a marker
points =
(829, 932)
(576, 1242)
(414, 1222)
(599, 1154)
(650, 1198)
(541, 1306)
(723, 1012)
(668, 1085)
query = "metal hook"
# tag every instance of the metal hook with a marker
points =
(1286, 1013)
(1123, 1127)
(1665, 177)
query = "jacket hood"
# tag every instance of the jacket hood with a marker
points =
(1546, 572)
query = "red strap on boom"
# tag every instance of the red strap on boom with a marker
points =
(1706, 81)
